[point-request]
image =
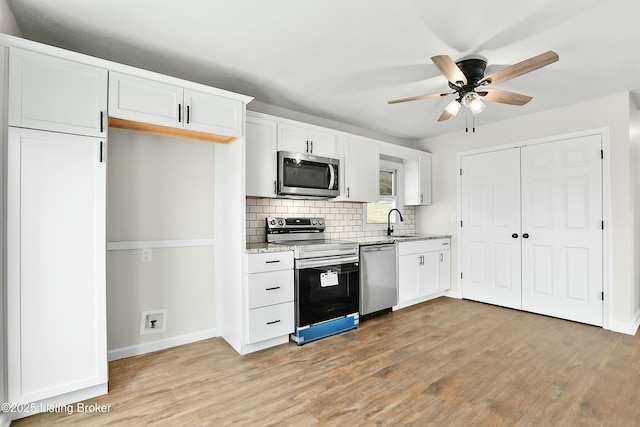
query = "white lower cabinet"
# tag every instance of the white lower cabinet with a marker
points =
(269, 298)
(423, 270)
(56, 265)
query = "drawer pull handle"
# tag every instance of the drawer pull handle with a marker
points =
(272, 289)
(273, 261)
(273, 321)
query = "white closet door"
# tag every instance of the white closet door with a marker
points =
(491, 219)
(562, 214)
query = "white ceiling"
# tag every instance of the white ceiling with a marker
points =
(344, 59)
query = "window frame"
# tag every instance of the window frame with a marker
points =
(397, 167)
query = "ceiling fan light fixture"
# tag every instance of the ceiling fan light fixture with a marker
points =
(453, 107)
(473, 102)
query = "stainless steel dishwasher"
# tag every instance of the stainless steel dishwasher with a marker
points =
(378, 278)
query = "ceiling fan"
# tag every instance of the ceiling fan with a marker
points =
(467, 79)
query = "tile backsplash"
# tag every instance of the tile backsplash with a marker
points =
(343, 220)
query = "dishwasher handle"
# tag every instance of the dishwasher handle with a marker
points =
(377, 248)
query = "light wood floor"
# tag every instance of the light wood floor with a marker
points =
(446, 362)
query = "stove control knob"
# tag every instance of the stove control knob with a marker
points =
(281, 222)
(272, 221)
(314, 221)
(320, 221)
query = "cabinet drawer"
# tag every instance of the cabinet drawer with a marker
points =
(270, 322)
(406, 248)
(270, 261)
(270, 288)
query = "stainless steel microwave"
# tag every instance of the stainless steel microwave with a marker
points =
(306, 175)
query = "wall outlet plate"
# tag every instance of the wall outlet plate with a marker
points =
(153, 322)
(146, 255)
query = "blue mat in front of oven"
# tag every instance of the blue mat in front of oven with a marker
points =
(310, 333)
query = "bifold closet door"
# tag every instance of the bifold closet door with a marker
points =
(561, 229)
(490, 189)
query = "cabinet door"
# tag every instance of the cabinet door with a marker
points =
(418, 181)
(261, 157)
(445, 270)
(424, 164)
(210, 113)
(146, 101)
(56, 303)
(430, 273)
(56, 94)
(409, 267)
(322, 143)
(362, 168)
(293, 138)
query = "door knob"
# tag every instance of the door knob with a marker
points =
(514, 235)
(525, 236)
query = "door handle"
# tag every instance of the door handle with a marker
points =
(514, 235)
(525, 236)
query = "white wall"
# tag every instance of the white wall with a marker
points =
(4, 63)
(8, 21)
(634, 138)
(160, 192)
(611, 111)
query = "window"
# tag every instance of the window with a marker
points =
(375, 214)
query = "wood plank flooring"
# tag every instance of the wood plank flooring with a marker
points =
(446, 362)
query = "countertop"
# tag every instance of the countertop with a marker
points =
(400, 238)
(256, 248)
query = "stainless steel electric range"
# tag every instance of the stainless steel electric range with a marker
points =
(326, 277)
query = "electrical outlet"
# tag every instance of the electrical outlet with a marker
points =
(153, 322)
(146, 255)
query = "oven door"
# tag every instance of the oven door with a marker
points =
(326, 289)
(307, 175)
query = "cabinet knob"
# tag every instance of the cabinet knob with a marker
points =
(514, 235)
(525, 236)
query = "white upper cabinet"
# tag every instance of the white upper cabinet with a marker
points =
(310, 140)
(55, 94)
(210, 113)
(261, 156)
(361, 171)
(417, 182)
(148, 101)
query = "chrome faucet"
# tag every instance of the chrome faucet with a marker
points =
(389, 228)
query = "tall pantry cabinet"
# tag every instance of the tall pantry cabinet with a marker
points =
(56, 223)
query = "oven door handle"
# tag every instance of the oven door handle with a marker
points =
(324, 262)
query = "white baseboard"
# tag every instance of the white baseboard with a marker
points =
(627, 328)
(134, 350)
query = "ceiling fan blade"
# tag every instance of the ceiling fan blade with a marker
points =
(451, 71)
(504, 97)
(445, 116)
(416, 98)
(520, 68)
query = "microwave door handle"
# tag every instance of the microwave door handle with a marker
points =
(332, 176)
